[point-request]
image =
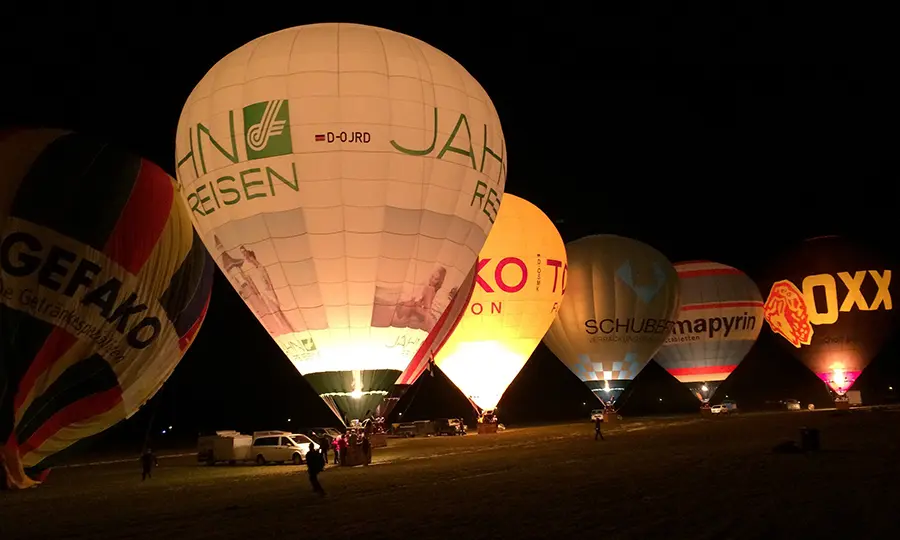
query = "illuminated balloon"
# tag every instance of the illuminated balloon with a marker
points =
(720, 318)
(424, 357)
(830, 300)
(519, 286)
(621, 301)
(104, 286)
(345, 178)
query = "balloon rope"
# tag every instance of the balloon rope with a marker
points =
(150, 423)
(412, 398)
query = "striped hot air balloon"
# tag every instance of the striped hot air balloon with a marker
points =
(104, 286)
(720, 318)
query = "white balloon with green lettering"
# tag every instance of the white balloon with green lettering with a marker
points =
(345, 178)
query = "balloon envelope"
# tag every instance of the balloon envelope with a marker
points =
(104, 286)
(519, 286)
(345, 178)
(424, 357)
(830, 301)
(621, 302)
(720, 318)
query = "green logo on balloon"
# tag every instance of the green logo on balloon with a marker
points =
(267, 129)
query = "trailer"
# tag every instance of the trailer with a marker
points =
(229, 446)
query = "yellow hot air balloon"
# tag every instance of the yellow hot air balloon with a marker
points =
(621, 302)
(345, 178)
(519, 286)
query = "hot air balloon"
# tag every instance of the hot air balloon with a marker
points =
(104, 286)
(830, 301)
(344, 178)
(519, 286)
(621, 302)
(720, 318)
(423, 360)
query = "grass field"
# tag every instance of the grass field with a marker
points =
(662, 478)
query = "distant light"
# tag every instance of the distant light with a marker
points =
(401, 414)
(170, 428)
(163, 432)
(289, 419)
(583, 403)
(891, 388)
(660, 399)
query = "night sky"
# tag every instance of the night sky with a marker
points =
(723, 138)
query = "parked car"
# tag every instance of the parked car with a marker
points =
(280, 446)
(322, 435)
(263, 447)
(449, 426)
(792, 404)
(719, 409)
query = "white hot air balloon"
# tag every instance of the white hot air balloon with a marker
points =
(345, 178)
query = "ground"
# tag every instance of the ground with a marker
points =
(663, 478)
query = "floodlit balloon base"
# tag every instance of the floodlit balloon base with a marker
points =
(487, 428)
(842, 404)
(706, 410)
(355, 455)
(611, 417)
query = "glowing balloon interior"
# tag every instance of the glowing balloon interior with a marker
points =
(345, 178)
(104, 286)
(720, 318)
(621, 301)
(830, 300)
(519, 286)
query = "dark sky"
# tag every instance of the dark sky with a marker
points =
(720, 137)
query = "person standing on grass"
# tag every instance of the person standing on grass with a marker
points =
(337, 450)
(315, 463)
(323, 447)
(148, 461)
(598, 422)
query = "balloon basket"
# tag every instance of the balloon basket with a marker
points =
(486, 429)
(842, 405)
(611, 418)
(706, 412)
(355, 455)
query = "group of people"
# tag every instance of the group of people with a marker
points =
(352, 445)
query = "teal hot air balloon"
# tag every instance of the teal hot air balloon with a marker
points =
(720, 318)
(103, 288)
(621, 300)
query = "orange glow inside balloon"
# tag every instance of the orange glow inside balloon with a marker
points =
(518, 290)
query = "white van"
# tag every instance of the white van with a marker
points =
(280, 446)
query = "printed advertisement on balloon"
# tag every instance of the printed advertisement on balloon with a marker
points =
(793, 312)
(498, 277)
(279, 154)
(81, 291)
(696, 324)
